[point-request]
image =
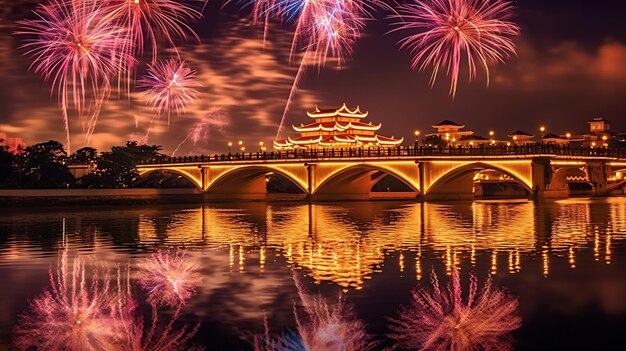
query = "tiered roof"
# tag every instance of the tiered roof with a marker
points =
(339, 127)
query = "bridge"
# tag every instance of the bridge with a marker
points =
(430, 173)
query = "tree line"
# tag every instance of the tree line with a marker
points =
(45, 166)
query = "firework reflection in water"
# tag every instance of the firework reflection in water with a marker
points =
(320, 327)
(81, 312)
(169, 277)
(441, 320)
(75, 313)
(443, 33)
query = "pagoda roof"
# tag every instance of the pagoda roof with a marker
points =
(343, 111)
(599, 119)
(520, 133)
(336, 126)
(552, 136)
(329, 140)
(448, 123)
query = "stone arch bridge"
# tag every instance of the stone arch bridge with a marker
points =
(431, 174)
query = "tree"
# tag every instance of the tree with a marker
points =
(435, 140)
(44, 165)
(84, 156)
(117, 168)
(6, 166)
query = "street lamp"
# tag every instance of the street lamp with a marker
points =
(568, 135)
(417, 135)
(241, 147)
(261, 145)
(230, 145)
(542, 129)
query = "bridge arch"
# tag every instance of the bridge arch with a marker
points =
(465, 174)
(360, 178)
(250, 179)
(194, 176)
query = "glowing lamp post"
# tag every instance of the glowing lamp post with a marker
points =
(261, 145)
(241, 147)
(417, 135)
(230, 145)
(491, 134)
(542, 129)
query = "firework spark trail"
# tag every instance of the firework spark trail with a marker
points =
(441, 320)
(74, 47)
(169, 277)
(145, 19)
(323, 29)
(201, 130)
(170, 86)
(75, 313)
(443, 33)
(320, 327)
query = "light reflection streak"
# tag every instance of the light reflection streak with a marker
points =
(348, 245)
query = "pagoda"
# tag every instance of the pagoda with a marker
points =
(337, 128)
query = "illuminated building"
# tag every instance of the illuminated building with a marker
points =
(521, 138)
(554, 139)
(337, 128)
(12, 145)
(449, 131)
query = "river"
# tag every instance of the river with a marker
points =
(253, 267)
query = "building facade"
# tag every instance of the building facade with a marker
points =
(337, 128)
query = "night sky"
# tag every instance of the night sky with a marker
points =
(571, 66)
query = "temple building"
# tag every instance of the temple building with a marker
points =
(521, 138)
(337, 128)
(449, 131)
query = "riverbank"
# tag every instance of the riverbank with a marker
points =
(52, 197)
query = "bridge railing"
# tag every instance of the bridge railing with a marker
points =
(393, 152)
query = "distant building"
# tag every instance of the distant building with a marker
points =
(521, 138)
(337, 128)
(473, 140)
(600, 134)
(450, 132)
(554, 139)
(13, 145)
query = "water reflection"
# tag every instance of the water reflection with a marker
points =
(89, 307)
(447, 319)
(348, 244)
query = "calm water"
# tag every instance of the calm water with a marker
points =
(564, 260)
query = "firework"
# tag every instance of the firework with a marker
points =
(146, 19)
(320, 327)
(444, 33)
(170, 86)
(74, 47)
(76, 313)
(441, 320)
(201, 130)
(169, 277)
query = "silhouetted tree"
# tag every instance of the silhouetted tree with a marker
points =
(6, 166)
(117, 168)
(84, 156)
(43, 165)
(435, 141)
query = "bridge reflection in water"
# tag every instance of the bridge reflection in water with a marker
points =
(347, 244)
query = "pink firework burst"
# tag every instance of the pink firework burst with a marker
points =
(145, 20)
(76, 313)
(320, 327)
(77, 49)
(442, 320)
(443, 33)
(170, 86)
(169, 277)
